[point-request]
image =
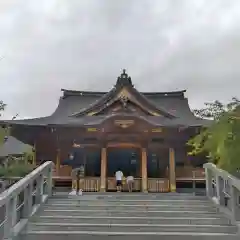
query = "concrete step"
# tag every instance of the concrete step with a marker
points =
(131, 220)
(132, 216)
(127, 236)
(125, 213)
(130, 196)
(119, 207)
(177, 202)
(150, 228)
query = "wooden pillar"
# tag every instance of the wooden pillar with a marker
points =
(172, 170)
(144, 170)
(103, 169)
(58, 162)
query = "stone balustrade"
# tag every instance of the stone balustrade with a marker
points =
(224, 190)
(22, 200)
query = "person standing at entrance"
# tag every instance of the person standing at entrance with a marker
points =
(78, 171)
(130, 182)
(119, 177)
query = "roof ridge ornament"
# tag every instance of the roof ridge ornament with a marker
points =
(124, 80)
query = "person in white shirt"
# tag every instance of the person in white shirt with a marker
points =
(119, 176)
(130, 181)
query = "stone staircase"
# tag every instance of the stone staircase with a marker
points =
(131, 216)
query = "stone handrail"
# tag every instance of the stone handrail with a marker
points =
(22, 200)
(224, 190)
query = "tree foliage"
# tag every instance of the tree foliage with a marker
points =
(221, 140)
(16, 166)
(2, 106)
(2, 131)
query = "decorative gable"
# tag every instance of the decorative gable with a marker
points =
(123, 97)
(121, 106)
(124, 101)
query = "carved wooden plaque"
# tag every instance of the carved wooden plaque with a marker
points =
(92, 130)
(157, 130)
(124, 123)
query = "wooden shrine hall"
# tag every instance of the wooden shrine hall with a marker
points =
(143, 134)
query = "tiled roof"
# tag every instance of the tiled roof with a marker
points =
(12, 146)
(171, 103)
(178, 106)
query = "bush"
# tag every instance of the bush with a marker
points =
(19, 169)
(16, 170)
(3, 172)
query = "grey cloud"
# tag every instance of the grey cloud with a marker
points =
(83, 44)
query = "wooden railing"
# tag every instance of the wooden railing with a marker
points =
(91, 184)
(154, 184)
(190, 173)
(158, 185)
(111, 184)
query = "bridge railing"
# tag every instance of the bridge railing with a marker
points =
(22, 200)
(224, 190)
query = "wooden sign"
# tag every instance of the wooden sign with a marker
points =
(92, 129)
(124, 123)
(156, 130)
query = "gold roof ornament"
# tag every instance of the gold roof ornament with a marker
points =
(124, 93)
(124, 80)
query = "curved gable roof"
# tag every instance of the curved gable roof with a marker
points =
(173, 104)
(113, 95)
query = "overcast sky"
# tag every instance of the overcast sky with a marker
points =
(165, 45)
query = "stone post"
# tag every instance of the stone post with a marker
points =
(50, 181)
(39, 189)
(235, 206)
(219, 190)
(11, 217)
(209, 187)
(3, 185)
(28, 201)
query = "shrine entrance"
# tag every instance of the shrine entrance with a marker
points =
(127, 160)
(151, 170)
(125, 157)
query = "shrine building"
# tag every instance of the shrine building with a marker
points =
(143, 134)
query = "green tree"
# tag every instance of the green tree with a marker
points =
(221, 140)
(15, 167)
